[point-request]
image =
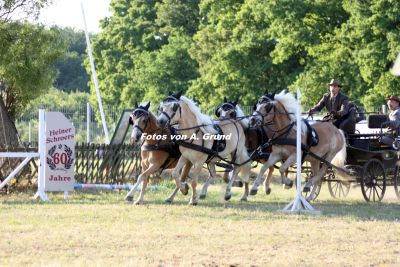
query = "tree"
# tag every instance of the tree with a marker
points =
(26, 63)
(143, 50)
(72, 75)
(30, 8)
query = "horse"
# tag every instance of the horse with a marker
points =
(276, 113)
(156, 155)
(255, 136)
(198, 132)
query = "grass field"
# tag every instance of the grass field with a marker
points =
(100, 229)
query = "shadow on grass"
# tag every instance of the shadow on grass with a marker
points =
(359, 210)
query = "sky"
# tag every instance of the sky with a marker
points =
(68, 13)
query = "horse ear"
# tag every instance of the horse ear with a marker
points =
(218, 112)
(178, 96)
(273, 95)
(135, 105)
(225, 100)
(147, 106)
(235, 102)
(266, 92)
(130, 120)
(169, 93)
(255, 107)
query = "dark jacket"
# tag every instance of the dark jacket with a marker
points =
(339, 104)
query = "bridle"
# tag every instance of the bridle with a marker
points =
(140, 112)
(175, 108)
(266, 100)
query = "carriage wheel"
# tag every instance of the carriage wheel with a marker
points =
(396, 180)
(307, 171)
(373, 180)
(316, 193)
(337, 189)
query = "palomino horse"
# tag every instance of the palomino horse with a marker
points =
(199, 133)
(277, 114)
(255, 136)
(157, 151)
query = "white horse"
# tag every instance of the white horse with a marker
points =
(197, 147)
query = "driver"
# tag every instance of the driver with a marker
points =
(393, 103)
(335, 103)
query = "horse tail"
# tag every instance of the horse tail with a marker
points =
(340, 160)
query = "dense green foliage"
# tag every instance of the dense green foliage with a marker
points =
(27, 55)
(240, 48)
(72, 75)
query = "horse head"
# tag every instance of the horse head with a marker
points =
(227, 110)
(262, 108)
(168, 108)
(139, 119)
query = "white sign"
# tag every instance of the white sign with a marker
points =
(60, 153)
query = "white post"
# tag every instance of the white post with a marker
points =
(30, 133)
(88, 119)
(42, 156)
(299, 204)
(15, 171)
(96, 83)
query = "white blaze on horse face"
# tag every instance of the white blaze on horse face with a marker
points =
(226, 114)
(136, 133)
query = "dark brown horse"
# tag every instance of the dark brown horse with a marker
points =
(157, 152)
(255, 137)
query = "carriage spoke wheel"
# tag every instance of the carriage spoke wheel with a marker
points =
(337, 189)
(396, 181)
(307, 171)
(373, 180)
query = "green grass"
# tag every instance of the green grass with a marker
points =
(101, 229)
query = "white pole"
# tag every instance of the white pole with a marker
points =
(299, 204)
(15, 171)
(30, 133)
(96, 83)
(42, 156)
(88, 119)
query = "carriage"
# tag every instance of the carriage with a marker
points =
(373, 159)
(370, 162)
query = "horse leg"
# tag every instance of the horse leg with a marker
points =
(283, 170)
(268, 181)
(143, 177)
(316, 179)
(183, 176)
(245, 176)
(228, 193)
(175, 173)
(270, 163)
(211, 167)
(195, 174)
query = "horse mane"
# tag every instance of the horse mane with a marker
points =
(243, 121)
(290, 103)
(201, 119)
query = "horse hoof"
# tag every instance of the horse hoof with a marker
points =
(168, 201)
(129, 198)
(138, 203)
(268, 191)
(185, 190)
(243, 199)
(202, 196)
(306, 189)
(253, 192)
(193, 203)
(227, 197)
(287, 186)
(237, 184)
